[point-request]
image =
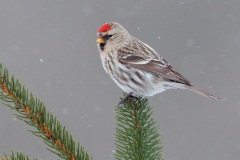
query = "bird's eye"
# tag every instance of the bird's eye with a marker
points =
(107, 36)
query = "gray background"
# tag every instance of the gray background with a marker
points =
(50, 46)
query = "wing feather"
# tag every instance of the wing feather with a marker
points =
(150, 62)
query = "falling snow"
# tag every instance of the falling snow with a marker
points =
(85, 116)
(103, 82)
(200, 39)
(87, 10)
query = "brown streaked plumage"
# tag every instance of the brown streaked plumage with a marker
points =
(135, 67)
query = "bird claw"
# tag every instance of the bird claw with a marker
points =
(129, 96)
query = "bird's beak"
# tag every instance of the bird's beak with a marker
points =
(100, 40)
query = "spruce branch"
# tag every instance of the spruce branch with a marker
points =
(17, 156)
(137, 136)
(32, 111)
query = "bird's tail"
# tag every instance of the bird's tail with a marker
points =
(203, 93)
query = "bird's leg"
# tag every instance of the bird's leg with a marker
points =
(128, 96)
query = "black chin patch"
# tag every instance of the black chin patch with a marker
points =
(105, 38)
(102, 46)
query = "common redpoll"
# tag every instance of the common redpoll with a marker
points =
(135, 67)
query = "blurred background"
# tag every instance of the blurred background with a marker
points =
(49, 45)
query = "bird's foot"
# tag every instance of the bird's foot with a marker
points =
(129, 96)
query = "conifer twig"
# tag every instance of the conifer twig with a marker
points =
(137, 136)
(33, 111)
(17, 156)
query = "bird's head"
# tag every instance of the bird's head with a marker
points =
(111, 35)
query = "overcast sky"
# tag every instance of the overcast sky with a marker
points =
(49, 45)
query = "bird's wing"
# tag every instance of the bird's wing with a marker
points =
(154, 64)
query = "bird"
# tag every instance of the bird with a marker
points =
(136, 67)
